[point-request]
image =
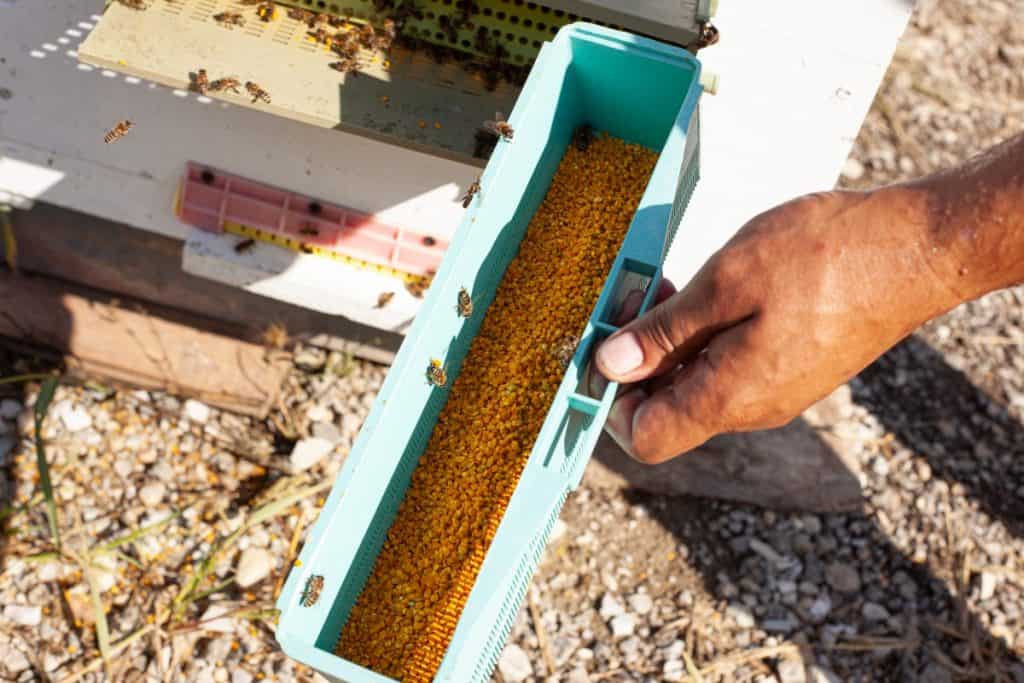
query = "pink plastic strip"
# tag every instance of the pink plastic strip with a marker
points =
(209, 198)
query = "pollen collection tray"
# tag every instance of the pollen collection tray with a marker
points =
(633, 88)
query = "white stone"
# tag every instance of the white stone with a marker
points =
(792, 671)
(558, 531)
(253, 566)
(212, 622)
(514, 664)
(308, 452)
(988, 586)
(320, 413)
(610, 607)
(741, 615)
(16, 661)
(9, 409)
(673, 671)
(640, 603)
(240, 675)
(197, 411)
(874, 612)
(853, 169)
(767, 552)
(152, 493)
(578, 675)
(622, 625)
(24, 615)
(75, 418)
(821, 675)
(820, 609)
(48, 571)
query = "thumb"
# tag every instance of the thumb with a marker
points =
(671, 333)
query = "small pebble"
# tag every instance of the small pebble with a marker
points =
(254, 565)
(23, 615)
(9, 408)
(197, 411)
(514, 664)
(640, 603)
(308, 452)
(151, 494)
(622, 626)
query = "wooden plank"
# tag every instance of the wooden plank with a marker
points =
(134, 264)
(142, 346)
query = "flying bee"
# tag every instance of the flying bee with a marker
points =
(118, 131)
(437, 374)
(583, 136)
(314, 585)
(245, 245)
(500, 127)
(708, 35)
(384, 299)
(266, 11)
(221, 84)
(134, 4)
(200, 82)
(566, 349)
(257, 92)
(470, 193)
(229, 19)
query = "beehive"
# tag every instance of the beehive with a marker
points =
(637, 90)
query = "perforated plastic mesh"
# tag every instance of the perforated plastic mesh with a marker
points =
(510, 606)
(687, 179)
(519, 27)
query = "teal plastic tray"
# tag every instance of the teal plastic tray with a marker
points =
(633, 88)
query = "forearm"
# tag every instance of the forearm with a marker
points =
(972, 221)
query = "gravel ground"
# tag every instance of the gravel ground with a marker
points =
(180, 520)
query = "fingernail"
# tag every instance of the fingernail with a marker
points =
(621, 354)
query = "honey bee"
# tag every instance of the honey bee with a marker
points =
(316, 19)
(384, 40)
(367, 35)
(321, 36)
(708, 35)
(448, 28)
(200, 82)
(118, 131)
(221, 84)
(464, 307)
(257, 92)
(384, 299)
(229, 19)
(566, 349)
(346, 45)
(266, 11)
(470, 193)
(336, 22)
(134, 4)
(275, 336)
(303, 15)
(346, 66)
(419, 285)
(244, 246)
(437, 374)
(500, 127)
(314, 585)
(583, 136)
(482, 41)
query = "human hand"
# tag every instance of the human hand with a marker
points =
(800, 300)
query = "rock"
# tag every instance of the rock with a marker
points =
(610, 607)
(558, 531)
(220, 675)
(792, 671)
(842, 577)
(310, 359)
(935, 673)
(767, 552)
(24, 615)
(152, 493)
(327, 432)
(743, 617)
(350, 424)
(75, 418)
(853, 169)
(253, 566)
(622, 626)
(7, 444)
(673, 671)
(320, 413)
(196, 411)
(640, 603)
(240, 675)
(48, 571)
(211, 622)
(578, 675)
(785, 624)
(820, 609)
(16, 661)
(9, 409)
(308, 452)
(988, 586)
(162, 470)
(514, 664)
(822, 675)
(872, 611)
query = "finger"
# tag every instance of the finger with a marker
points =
(703, 400)
(670, 333)
(631, 304)
(620, 418)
